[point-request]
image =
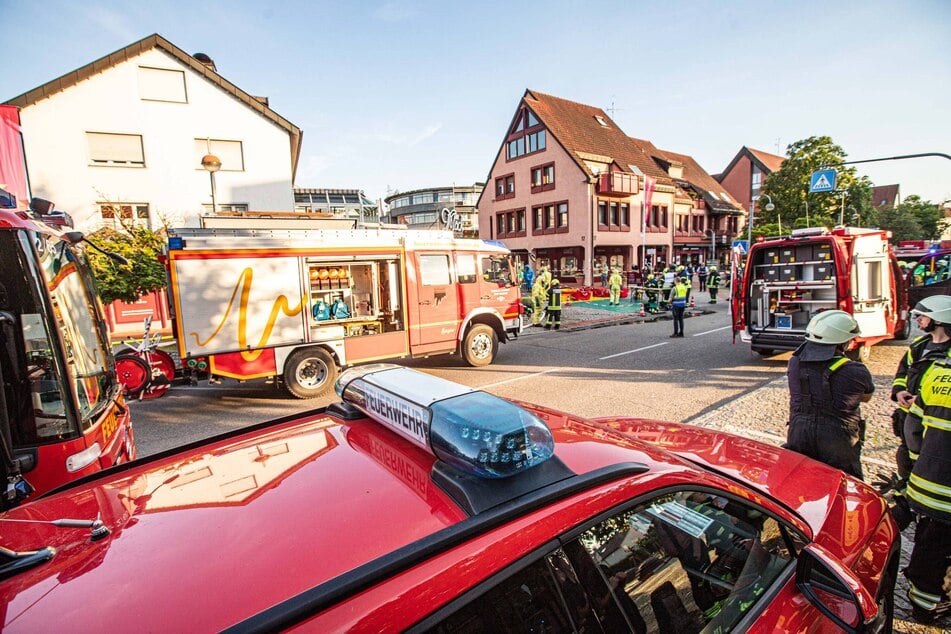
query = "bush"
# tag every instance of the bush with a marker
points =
(144, 273)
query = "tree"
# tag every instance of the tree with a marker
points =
(914, 219)
(144, 273)
(788, 187)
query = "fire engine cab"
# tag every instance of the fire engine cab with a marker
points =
(788, 280)
(299, 305)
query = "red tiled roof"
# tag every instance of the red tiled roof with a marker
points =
(698, 177)
(771, 161)
(883, 195)
(576, 128)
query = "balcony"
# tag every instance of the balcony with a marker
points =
(617, 184)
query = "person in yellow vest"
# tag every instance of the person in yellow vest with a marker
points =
(614, 283)
(539, 297)
(678, 304)
(554, 306)
(545, 276)
(928, 436)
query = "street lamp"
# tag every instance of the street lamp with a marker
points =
(769, 207)
(713, 244)
(212, 164)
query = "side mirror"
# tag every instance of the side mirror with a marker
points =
(835, 590)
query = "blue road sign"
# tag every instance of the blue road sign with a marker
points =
(743, 244)
(822, 181)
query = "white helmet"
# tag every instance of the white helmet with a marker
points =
(937, 307)
(832, 327)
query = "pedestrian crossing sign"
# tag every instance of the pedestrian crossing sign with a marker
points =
(822, 181)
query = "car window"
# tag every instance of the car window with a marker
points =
(687, 560)
(528, 601)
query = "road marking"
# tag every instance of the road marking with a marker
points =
(518, 378)
(621, 354)
(709, 331)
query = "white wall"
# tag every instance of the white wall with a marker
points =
(54, 131)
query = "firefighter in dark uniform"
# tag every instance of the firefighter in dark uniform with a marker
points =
(928, 434)
(652, 291)
(922, 352)
(554, 306)
(713, 283)
(826, 390)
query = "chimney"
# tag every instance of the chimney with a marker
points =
(207, 61)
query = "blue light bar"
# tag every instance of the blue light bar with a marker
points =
(474, 431)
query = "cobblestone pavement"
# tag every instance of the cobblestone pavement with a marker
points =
(762, 413)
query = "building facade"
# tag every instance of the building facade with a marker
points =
(124, 137)
(569, 190)
(746, 174)
(452, 208)
(349, 203)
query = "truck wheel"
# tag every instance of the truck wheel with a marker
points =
(480, 345)
(133, 374)
(309, 373)
(905, 331)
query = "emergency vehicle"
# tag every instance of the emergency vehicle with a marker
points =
(788, 280)
(415, 504)
(62, 414)
(300, 305)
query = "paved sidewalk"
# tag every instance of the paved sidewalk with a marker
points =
(586, 315)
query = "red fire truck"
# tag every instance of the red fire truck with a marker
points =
(62, 414)
(787, 280)
(299, 305)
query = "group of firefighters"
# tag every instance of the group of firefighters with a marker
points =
(825, 423)
(666, 289)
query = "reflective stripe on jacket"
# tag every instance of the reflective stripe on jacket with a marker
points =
(928, 434)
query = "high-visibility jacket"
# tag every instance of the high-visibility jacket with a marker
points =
(678, 295)
(914, 363)
(928, 434)
(554, 299)
(713, 279)
(615, 281)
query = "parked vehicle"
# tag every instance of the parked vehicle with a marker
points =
(145, 371)
(417, 504)
(62, 413)
(300, 305)
(786, 281)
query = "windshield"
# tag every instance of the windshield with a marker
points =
(52, 351)
(498, 268)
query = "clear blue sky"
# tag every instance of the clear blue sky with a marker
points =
(403, 94)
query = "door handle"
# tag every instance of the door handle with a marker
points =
(425, 303)
(486, 297)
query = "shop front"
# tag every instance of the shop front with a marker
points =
(565, 263)
(608, 258)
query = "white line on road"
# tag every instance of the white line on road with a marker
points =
(714, 330)
(621, 354)
(518, 378)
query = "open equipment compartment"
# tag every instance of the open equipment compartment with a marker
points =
(790, 285)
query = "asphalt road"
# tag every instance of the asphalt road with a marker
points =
(634, 369)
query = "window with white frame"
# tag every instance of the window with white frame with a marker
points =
(231, 153)
(125, 214)
(162, 84)
(118, 150)
(229, 207)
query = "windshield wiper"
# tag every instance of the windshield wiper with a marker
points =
(99, 529)
(13, 563)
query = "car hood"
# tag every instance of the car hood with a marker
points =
(841, 511)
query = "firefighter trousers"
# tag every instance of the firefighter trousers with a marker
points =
(929, 569)
(828, 441)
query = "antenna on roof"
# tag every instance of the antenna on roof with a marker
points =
(612, 109)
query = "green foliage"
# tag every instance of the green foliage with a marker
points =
(913, 219)
(143, 274)
(788, 188)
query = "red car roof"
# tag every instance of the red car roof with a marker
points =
(205, 537)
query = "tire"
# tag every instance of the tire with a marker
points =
(480, 346)
(764, 352)
(863, 353)
(162, 366)
(905, 332)
(133, 373)
(309, 373)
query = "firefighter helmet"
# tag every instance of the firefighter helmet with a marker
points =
(832, 327)
(555, 282)
(713, 267)
(936, 307)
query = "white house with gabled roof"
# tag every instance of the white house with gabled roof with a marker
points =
(125, 135)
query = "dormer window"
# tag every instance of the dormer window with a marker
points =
(526, 136)
(601, 121)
